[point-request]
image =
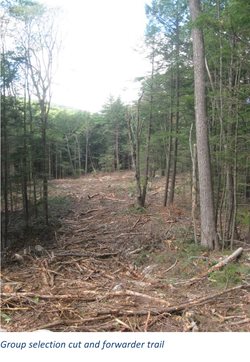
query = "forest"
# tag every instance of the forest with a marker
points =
(148, 201)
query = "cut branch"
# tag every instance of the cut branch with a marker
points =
(234, 256)
(175, 309)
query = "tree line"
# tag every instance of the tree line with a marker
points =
(192, 115)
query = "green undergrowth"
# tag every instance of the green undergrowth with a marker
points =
(59, 205)
(193, 260)
(230, 275)
(142, 258)
(135, 210)
(37, 232)
(189, 249)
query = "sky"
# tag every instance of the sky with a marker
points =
(101, 53)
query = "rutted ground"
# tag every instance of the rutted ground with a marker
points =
(114, 267)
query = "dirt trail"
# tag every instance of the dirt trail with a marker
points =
(114, 267)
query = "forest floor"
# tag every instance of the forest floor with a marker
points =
(114, 267)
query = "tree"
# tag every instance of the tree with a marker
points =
(226, 35)
(169, 19)
(207, 218)
(114, 116)
(4, 144)
(38, 46)
(26, 71)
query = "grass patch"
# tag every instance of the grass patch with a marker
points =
(189, 250)
(131, 188)
(231, 275)
(161, 258)
(142, 258)
(135, 210)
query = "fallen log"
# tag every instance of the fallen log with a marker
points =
(88, 212)
(86, 255)
(132, 293)
(173, 309)
(230, 258)
(28, 295)
(234, 256)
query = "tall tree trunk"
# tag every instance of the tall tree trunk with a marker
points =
(49, 162)
(117, 158)
(56, 163)
(86, 151)
(24, 159)
(232, 130)
(138, 156)
(173, 176)
(5, 157)
(193, 153)
(150, 121)
(146, 172)
(69, 154)
(131, 141)
(32, 153)
(135, 138)
(170, 143)
(208, 228)
(61, 173)
(45, 163)
(177, 113)
(168, 160)
(78, 155)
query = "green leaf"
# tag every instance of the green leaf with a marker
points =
(5, 317)
(36, 300)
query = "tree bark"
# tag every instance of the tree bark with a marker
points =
(78, 155)
(86, 151)
(168, 160)
(193, 153)
(45, 164)
(131, 140)
(138, 156)
(208, 228)
(24, 158)
(70, 157)
(4, 160)
(117, 159)
(177, 104)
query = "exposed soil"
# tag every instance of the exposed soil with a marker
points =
(114, 267)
